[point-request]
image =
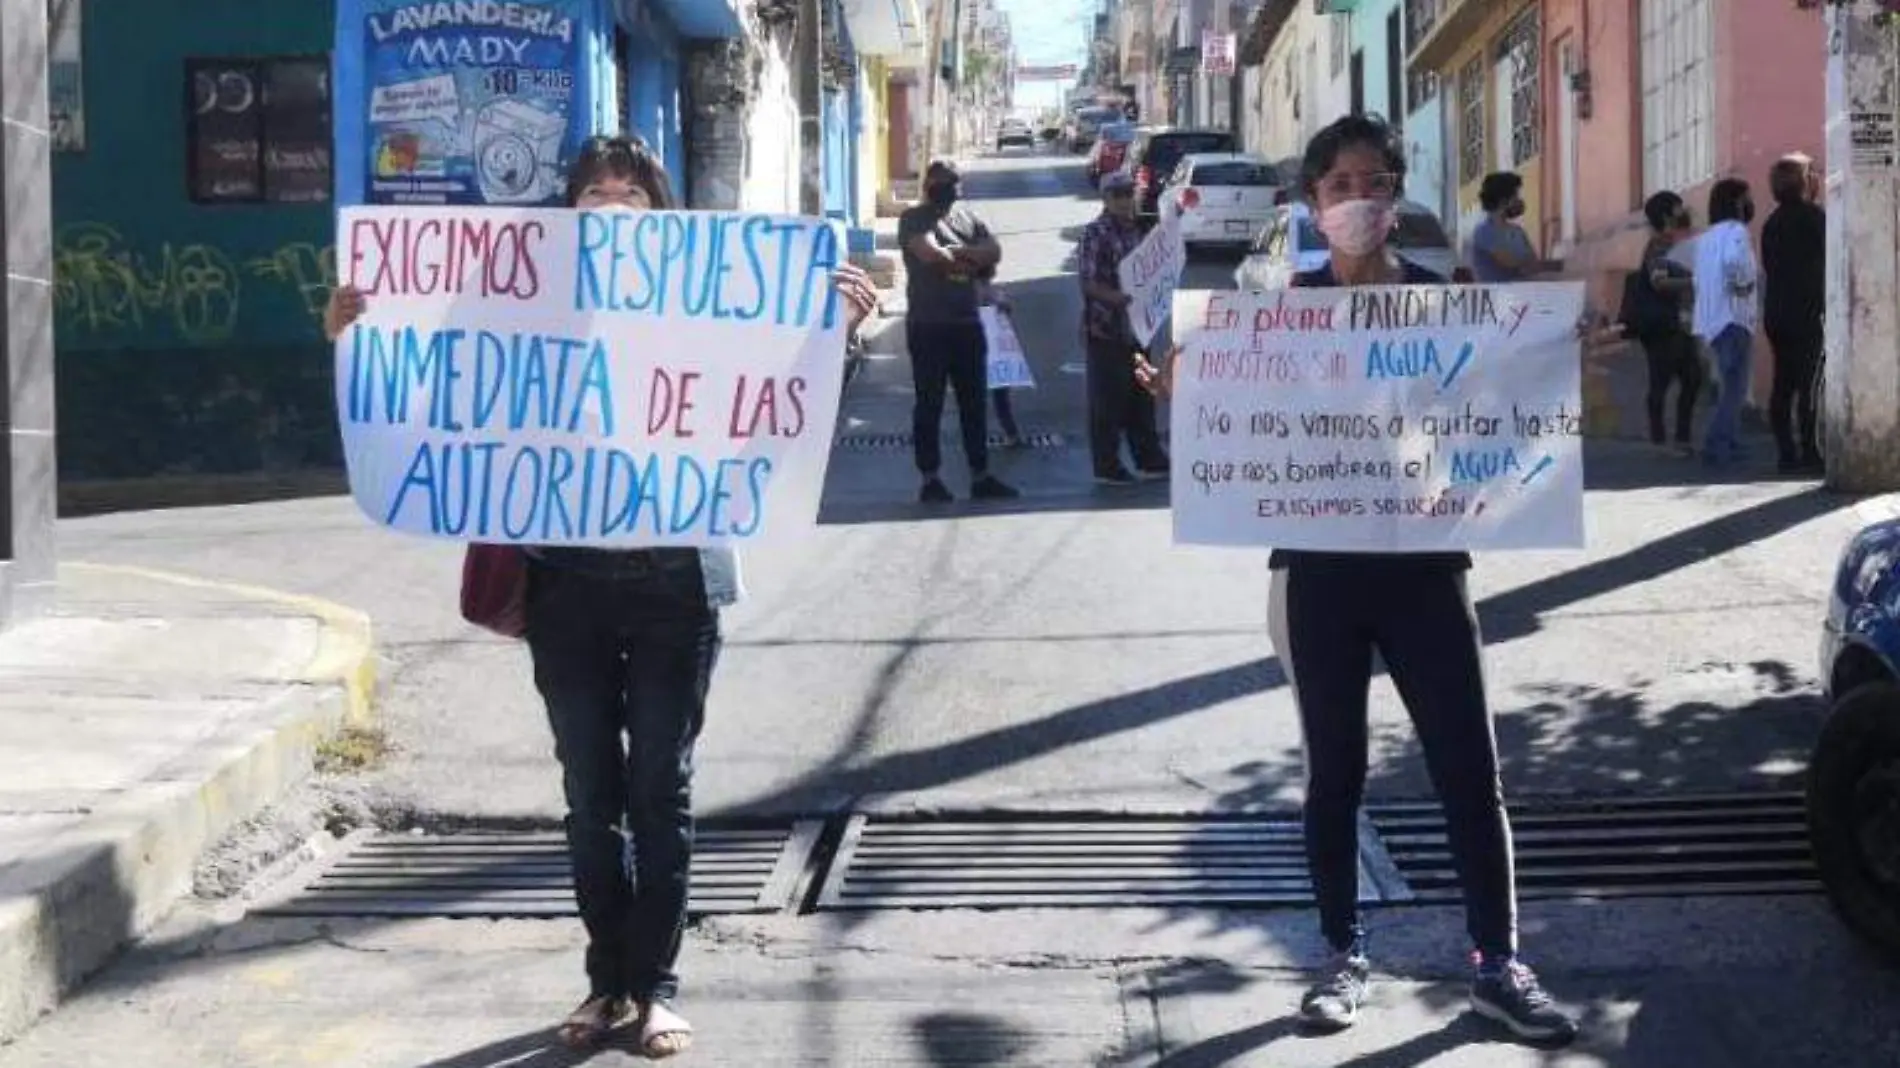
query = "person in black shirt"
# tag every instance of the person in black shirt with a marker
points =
(1329, 612)
(1794, 302)
(1666, 291)
(947, 251)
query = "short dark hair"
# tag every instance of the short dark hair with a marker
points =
(1725, 200)
(1353, 131)
(620, 157)
(1662, 209)
(1788, 180)
(1498, 189)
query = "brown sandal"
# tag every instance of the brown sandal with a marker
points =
(663, 1032)
(593, 1020)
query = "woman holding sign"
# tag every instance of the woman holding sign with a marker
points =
(1329, 612)
(624, 643)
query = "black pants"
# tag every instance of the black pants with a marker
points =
(1118, 408)
(1326, 621)
(623, 657)
(1672, 359)
(947, 356)
(1798, 359)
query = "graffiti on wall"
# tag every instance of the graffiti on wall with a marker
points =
(101, 284)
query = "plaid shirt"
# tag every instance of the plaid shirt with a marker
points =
(1105, 244)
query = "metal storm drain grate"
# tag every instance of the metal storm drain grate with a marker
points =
(527, 875)
(1680, 846)
(901, 442)
(1074, 863)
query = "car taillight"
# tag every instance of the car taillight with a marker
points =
(1141, 178)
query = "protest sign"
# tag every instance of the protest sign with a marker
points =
(1383, 419)
(1009, 368)
(555, 377)
(1150, 274)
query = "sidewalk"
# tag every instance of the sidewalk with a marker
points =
(142, 719)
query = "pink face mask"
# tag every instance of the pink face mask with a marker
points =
(1357, 227)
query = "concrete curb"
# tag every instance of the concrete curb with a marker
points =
(67, 909)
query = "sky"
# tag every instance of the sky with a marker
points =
(1047, 32)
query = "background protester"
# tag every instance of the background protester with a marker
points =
(947, 249)
(990, 296)
(1118, 406)
(1329, 612)
(1500, 249)
(623, 643)
(1726, 312)
(1657, 313)
(1794, 305)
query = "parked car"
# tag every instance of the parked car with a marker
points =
(1158, 152)
(1110, 150)
(1292, 243)
(1221, 198)
(1014, 132)
(1853, 788)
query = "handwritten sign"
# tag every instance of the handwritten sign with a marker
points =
(554, 377)
(1387, 419)
(1008, 367)
(1150, 275)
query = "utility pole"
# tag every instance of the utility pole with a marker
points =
(1861, 394)
(811, 124)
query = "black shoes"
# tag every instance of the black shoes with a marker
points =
(985, 488)
(1512, 996)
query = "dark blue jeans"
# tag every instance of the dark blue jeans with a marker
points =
(624, 647)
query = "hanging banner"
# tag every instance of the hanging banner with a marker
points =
(1217, 53)
(462, 101)
(552, 377)
(1382, 419)
(1150, 275)
(1008, 367)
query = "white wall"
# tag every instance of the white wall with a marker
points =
(772, 157)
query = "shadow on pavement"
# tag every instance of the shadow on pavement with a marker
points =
(970, 1038)
(537, 1049)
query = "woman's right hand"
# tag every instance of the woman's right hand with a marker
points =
(1157, 380)
(346, 305)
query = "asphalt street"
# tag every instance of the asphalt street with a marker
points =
(1056, 652)
(1059, 651)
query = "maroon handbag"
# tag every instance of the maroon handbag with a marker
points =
(495, 589)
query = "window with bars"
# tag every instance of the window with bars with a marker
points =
(258, 130)
(1678, 80)
(1420, 17)
(1421, 87)
(1471, 121)
(1521, 48)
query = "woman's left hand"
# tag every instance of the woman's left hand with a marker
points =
(859, 294)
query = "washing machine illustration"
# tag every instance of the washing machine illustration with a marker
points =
(517, 149)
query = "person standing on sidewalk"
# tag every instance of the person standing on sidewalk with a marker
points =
(1664, 292)
(1329, 612)
(1500, 249)
(947, 249)
(1118, 406)
(623, 643)
(1727, 308)
(1794, 305)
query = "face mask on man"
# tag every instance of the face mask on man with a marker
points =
(1514, 210)
(942, 195)
(1357, 227)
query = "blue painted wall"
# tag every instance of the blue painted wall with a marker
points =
(653, 90)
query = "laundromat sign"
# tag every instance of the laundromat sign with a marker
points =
(468, 101)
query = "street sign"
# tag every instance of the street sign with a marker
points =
(1217, 53)
(1059, 73)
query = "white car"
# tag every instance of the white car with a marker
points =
(1220, 198)
(1292, 244)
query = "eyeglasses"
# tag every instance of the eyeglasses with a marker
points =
(1345, 186)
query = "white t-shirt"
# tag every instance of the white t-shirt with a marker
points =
(1724, 262)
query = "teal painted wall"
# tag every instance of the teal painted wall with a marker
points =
(137, 264)
(187, 335)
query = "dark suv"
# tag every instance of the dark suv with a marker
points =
(1157, 154)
